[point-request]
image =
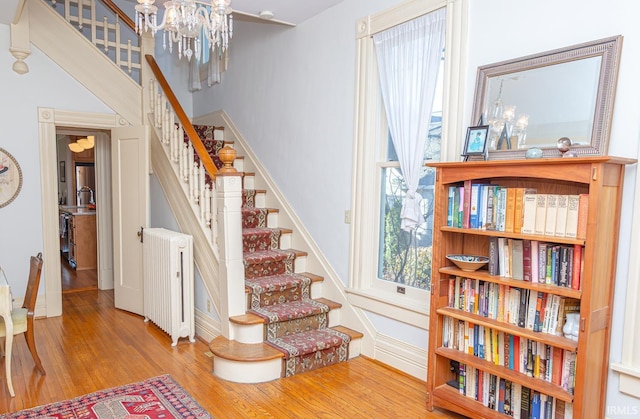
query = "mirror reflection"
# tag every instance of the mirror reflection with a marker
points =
(535, 100)
(540, 105)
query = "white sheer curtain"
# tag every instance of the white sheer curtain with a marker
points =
(215, 66)
(408, 60)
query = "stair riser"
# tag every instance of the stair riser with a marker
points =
(248, 372)
(298, 265)
(290, 327)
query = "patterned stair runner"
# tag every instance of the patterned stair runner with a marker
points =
(296, 325)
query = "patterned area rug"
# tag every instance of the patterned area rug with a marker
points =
(155, 398)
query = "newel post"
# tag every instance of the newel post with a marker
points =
(229, 195)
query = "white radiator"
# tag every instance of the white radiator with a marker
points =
(168, 282)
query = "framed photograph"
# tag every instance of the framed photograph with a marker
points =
(10, 178)
(63, 171)
(476, 141)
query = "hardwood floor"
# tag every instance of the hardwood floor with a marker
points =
(94, 346)
(73, 281)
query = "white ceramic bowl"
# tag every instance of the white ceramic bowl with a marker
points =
(468, 263)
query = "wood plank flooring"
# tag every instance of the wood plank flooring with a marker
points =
(94, 346)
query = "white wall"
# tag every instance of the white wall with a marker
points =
(291, 94)
(46, 85)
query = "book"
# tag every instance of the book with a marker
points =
(576, 271)
(518, 211)
(534, 260)
(583, 214)
(542, 262)
(451, 196)
(571, 227)
(527, 272)
(466, 204)
(541, 213)
(501, 209)
(525, 403)
(489, 222)
(529, 213)
(517, 259)
(556, 366)
(493, 265)
(563, 274)
(502, 268)
(474, 205)
(509, 222)
(552, 212)
(562, 204)
(531, 310)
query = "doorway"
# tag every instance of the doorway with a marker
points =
(77, 197)
(49, 121)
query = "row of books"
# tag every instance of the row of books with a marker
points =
(536, 261)
(533, 310)
(532, 358)
(507, 397)
(517, 210)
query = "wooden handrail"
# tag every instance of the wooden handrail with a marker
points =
(122, 15)
(205, 158)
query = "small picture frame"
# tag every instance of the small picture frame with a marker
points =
(476, 142)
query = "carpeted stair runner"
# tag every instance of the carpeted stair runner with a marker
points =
(295, 324)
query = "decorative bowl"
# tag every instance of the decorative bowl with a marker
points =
(468, 263)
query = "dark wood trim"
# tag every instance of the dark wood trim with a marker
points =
(205, 158)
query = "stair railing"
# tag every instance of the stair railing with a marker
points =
(172, 122)
(114, 33)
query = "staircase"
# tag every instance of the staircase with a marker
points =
(285, 327)
(284, 331)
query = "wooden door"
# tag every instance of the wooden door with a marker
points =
(130, 178)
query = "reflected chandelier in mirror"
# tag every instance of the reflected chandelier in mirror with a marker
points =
(533, 101)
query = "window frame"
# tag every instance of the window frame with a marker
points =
(412, 307)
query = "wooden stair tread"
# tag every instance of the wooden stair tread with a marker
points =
(246, 352)
(331, 304)
(353, 334)
(313, 277)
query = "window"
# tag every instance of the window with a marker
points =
(390, 269)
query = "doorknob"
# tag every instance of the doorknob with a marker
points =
(140, 234)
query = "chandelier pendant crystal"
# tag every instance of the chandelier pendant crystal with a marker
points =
(185, 22)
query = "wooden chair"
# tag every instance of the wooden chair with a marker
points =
(23, 317)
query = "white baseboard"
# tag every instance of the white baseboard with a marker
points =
(206, 327)
(402, 356)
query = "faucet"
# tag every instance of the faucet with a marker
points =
(86, 189)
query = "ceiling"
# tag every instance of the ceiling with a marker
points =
(290, 12)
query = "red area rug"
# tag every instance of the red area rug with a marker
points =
(155, 398)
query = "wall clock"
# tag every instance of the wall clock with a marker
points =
(10, 178)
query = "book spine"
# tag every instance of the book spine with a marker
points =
(529, 213)
(573, 204)
(466, 206)
(541, 213)
(583, 215)
(577, 267)
(518, 210)
(552, 212)
(493, 265)
(561, 215)
(510, 210)
(526, 261)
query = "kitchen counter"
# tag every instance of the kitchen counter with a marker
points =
(77, 210)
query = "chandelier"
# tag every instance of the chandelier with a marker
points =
(185, 22)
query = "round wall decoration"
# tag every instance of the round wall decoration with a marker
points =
(10, 178)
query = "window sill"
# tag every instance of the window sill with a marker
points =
(629, 379)
(391, 305)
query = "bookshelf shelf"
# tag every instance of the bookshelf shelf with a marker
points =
(599, 177)
(553, 340)
(484, 276)
(504, 372)
(494, 233)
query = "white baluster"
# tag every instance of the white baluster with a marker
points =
(201, 190)
(105, 30)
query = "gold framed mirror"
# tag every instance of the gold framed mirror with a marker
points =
(535, 100)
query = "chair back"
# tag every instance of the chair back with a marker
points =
(34, 282)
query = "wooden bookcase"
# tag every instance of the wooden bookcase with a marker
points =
(599, 176)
